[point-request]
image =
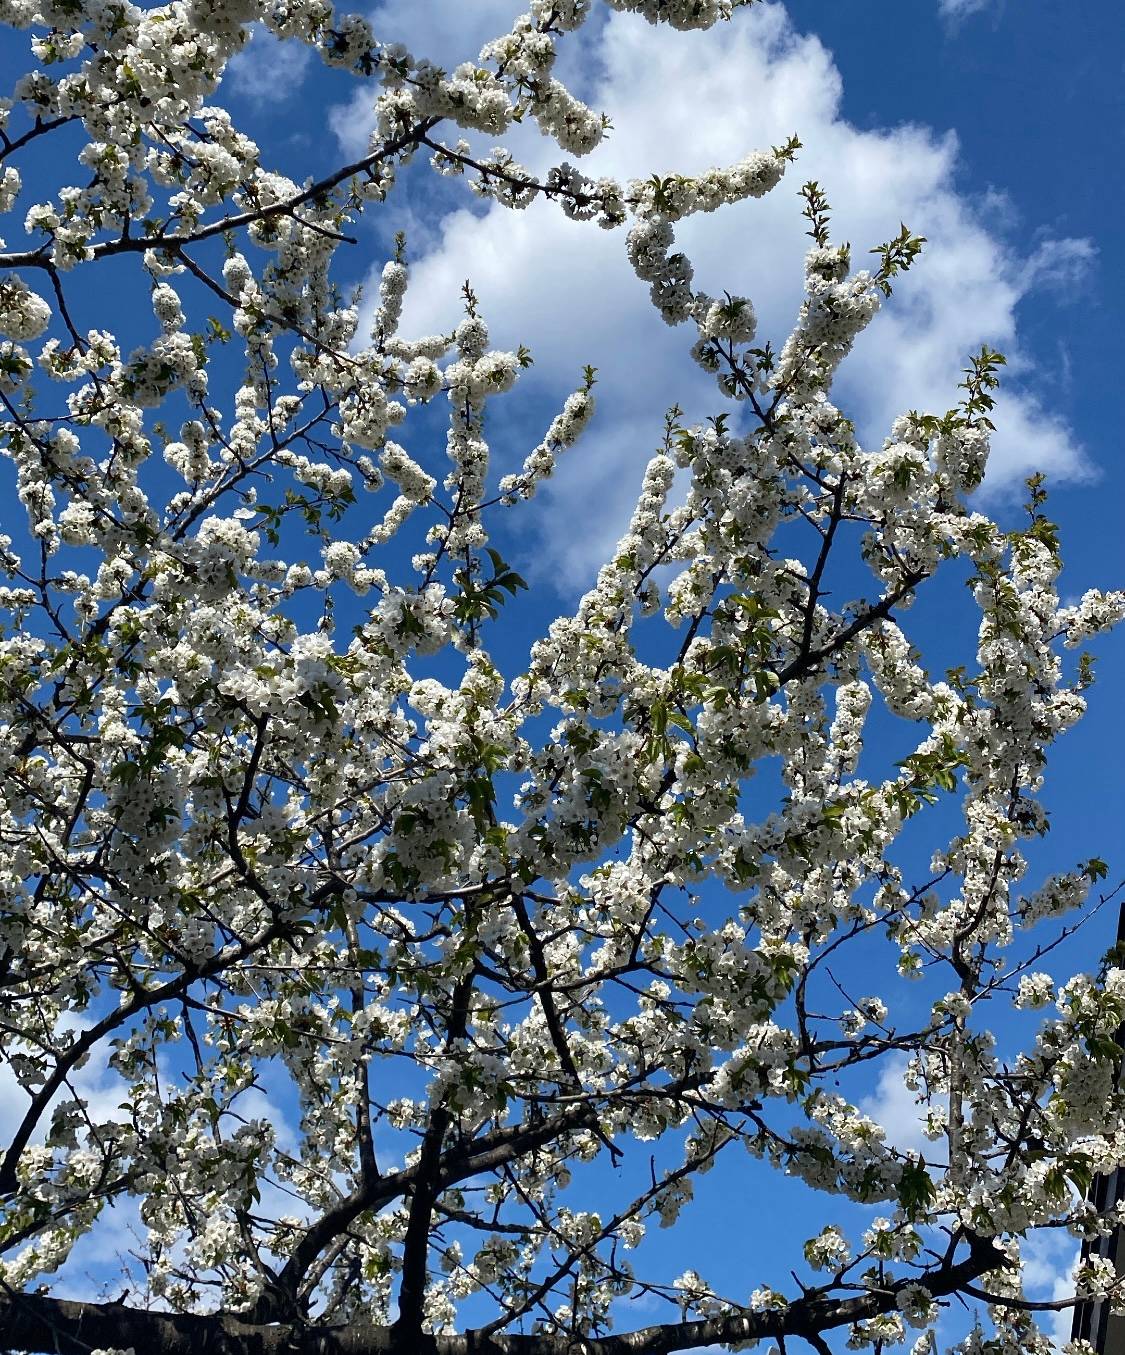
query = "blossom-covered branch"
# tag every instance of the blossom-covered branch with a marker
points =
(386, 930)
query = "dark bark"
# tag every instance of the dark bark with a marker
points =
(41, 1325)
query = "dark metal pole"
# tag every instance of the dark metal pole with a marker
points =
(1093, 1320)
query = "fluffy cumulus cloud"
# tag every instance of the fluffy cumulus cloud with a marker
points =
(894, 1106)
(684, 102)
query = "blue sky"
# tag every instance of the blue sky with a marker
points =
(993, 127)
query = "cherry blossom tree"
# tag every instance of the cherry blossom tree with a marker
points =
(428, 984)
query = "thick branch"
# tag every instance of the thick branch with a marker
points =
(37, 1323)
(455, 1165)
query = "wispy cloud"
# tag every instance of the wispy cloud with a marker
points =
(1063, 265)
(959, 10)
(267, 69)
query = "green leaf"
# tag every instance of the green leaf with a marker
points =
(915, 1189)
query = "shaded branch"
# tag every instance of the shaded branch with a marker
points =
(38, 1323)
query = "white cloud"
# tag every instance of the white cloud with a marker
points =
(1062, 264)
(351, 123)
(445, 31)
(1049, 1261)
(102, 1262)
(958, 10)
(267, 70)
(683, 102)
(894, 1106)
(97, 1086)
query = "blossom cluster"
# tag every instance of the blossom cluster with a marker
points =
(286, 807)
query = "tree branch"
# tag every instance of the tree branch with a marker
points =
(39, 1323)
